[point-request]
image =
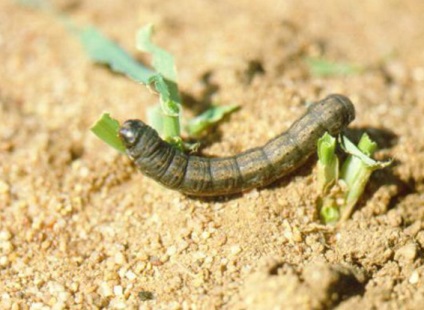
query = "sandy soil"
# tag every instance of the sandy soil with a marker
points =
(81, 228)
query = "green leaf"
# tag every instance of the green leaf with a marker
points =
(166, 124)
(367, 145)
(161, 87)
(165, 82)
(103, 50)
(208, 118)
(323, 67)
(106, 129)
(329, 211)
(155, 117)
(166, 120)
(328, 163)
(326, 149)
(169, 107)
(162, 61)
(357, 170)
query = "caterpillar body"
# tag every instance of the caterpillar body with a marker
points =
(256, 167)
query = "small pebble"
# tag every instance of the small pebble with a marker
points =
(130, 275)
(120, 258)
(407, 253)
(105, 290)
(38, 306)
(139, 267)
(4, 261)
(4, 187)
(235, 249)
(118, 290)
(5, 235)
(182, 245)
(414, 278)
(297, 235)
(171, 250)
(221, 239)
(6, 247)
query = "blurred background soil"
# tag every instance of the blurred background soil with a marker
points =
(80, 228)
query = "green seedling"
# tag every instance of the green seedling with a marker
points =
(340, 191)
(166, 115)
(328, 174)
(357, 170)
(166, 119)
(324, 68)
(328, 163)
(329, 211)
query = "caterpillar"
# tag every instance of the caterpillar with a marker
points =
(256, 167)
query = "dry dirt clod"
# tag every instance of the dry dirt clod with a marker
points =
(332, 283)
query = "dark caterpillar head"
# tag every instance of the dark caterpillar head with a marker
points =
(348, 108)
(141, 142)
(131, 131)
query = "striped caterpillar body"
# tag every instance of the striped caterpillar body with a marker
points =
(257, 167)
